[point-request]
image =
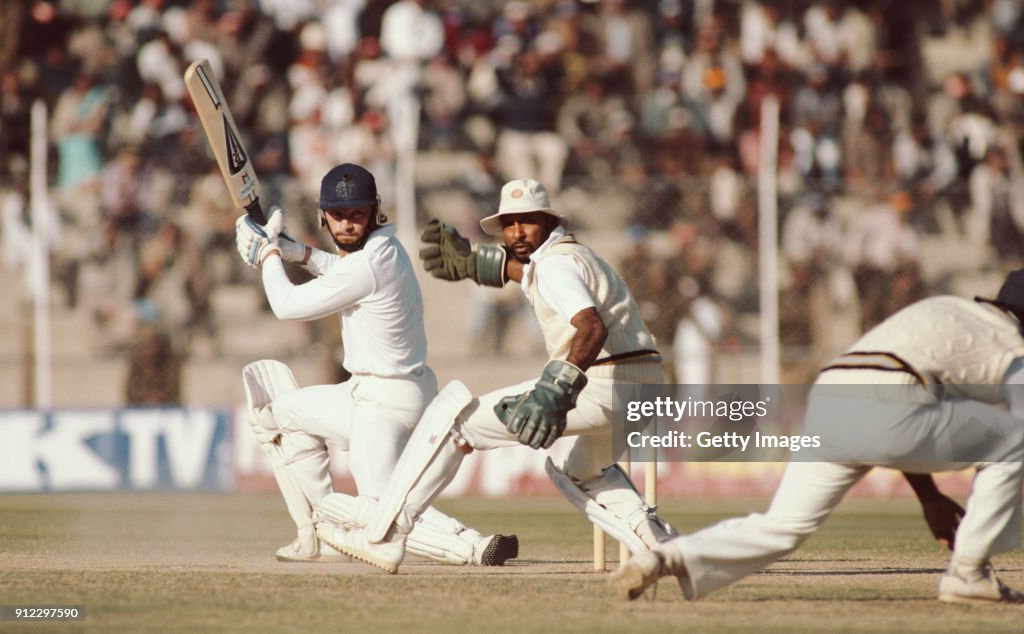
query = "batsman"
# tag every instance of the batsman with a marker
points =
(595, 338)
(370, 285)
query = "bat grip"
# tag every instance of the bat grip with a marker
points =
(255, 211)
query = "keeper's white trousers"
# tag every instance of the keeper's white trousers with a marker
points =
(590, 421)
(909, 437)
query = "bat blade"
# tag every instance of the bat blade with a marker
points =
(222, 133)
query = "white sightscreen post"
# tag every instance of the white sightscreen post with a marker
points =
(768, 243)
(404, 115)
(40, 260)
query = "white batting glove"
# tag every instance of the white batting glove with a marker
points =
(254, 243)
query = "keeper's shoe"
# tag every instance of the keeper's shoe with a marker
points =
(976, 586)
(319, 553)
(386, 555)
(496, 550)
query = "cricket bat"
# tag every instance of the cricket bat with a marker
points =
(222, 133)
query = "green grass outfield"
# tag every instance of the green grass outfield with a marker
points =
(184, 562)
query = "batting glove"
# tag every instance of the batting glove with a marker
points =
(255, 243)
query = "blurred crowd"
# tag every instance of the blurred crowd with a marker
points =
(899, 121)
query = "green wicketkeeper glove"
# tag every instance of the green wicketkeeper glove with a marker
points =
(537, 417)
(449, 256)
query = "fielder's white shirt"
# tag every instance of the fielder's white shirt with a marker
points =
(561, 286)
(376, 296)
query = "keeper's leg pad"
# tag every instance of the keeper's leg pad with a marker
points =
(432, 432)
(613, 503)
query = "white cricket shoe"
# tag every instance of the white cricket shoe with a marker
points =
(320, 553)
(976, 586)
(386, 555)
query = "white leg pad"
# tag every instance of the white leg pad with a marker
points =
(434, 536)
(613, 503)
(347, 511)
(263, 382)
(440, 544)
(431, 433)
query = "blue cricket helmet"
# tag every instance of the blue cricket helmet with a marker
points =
(346, 186)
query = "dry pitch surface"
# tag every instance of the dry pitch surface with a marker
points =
(165, 562)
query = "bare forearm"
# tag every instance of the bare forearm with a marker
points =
(590, 337)
(923, 485)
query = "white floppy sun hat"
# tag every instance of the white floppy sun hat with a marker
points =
(520, 196)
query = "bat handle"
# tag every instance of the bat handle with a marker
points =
(255, 211)
(258, 219)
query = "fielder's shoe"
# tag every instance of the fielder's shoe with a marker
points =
(976, 586)
(496, 550)
(386, 555)
(642, 571)
(631, 580)
(320, 553)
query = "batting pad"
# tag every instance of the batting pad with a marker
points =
(264, 381)
(609, 522)
(424, 443)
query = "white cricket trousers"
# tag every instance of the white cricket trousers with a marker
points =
(369, 417)
(730, 550)
(590, 422)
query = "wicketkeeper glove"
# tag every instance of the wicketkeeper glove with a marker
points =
(449, 256)
(537, 417)
(256, 243)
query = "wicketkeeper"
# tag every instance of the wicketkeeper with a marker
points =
(370, 284)
(596, 340)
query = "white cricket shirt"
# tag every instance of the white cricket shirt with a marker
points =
(376, 296)
(561, 286)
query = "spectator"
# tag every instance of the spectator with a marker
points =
(79, 124)
(527, 141)
(881, 248)
(996, 216)
(154, 369)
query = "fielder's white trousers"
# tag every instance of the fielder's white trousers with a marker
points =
(369, 417)
(721, 554)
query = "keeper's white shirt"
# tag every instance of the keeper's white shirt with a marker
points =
(377, 298)
(562, 285)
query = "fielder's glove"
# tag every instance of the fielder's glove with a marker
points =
(449, 256)
(537, 417)
(256, 243)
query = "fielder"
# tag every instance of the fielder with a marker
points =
(595, 338)
(371, 286)
(937, 371)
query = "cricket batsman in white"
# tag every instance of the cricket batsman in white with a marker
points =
(370, 284)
